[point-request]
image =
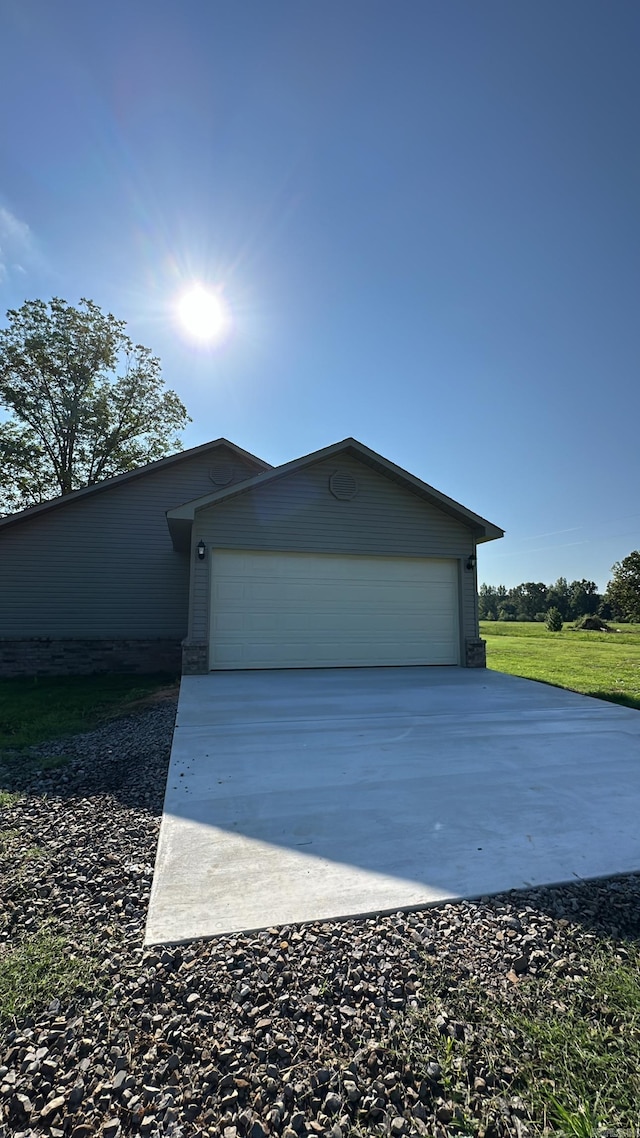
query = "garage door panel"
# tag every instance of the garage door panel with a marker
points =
(229, 622)
(275, 653)
(271, 610)
(230, 590)
(433, 626)
(264, 596)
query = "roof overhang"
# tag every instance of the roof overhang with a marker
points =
(182, 516)
(128, 476)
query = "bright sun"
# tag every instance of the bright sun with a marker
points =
(203, 314)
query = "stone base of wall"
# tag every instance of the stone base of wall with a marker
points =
(195, 658)
(42, 657)
(476, 653)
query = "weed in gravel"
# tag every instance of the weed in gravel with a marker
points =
(19, 767)
(589, 1046)
(580, 1123)
(19, 857)
(6, 839)
(7, 798)
(34, 853)
(52, 762)
(42, 968)
(558, 1050)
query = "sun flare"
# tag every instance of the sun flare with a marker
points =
(202, 314)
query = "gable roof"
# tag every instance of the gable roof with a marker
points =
(139, 472)
(482, 529)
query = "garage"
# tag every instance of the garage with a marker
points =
(338, 559)
(308, 610)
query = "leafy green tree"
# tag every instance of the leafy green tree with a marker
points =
(487, 603)
(623, 591)
(505, 610)
(559, 597)
(84, 402)
(516, 603)
(529, 598)
(554, 620)
(583, 598)
(604, 609)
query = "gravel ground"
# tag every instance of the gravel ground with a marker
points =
(286, 1032)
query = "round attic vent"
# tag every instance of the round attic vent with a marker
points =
(343, 485)
(221, 474)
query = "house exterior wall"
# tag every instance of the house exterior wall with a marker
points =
(299, 513)
(98, 579)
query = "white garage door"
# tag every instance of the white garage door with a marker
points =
(307, 610)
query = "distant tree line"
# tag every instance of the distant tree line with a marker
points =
(532, 600)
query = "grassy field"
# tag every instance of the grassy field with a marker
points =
(606, 665)
(37, 710)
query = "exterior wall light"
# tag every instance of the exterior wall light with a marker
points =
(202, 549)
(472, 561)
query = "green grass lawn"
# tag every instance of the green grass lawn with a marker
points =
(36, 710)
(606, 665)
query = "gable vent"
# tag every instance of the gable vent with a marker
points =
(221, 474)
(343, 485)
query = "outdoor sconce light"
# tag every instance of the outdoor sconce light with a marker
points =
(472, 561)
(202, 549)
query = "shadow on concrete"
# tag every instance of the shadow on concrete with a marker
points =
(296, 796)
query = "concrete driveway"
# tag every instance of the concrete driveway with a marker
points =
(310, 795)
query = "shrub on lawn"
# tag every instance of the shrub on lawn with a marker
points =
(553, 620)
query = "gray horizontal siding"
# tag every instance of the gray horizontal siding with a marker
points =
(104, 566)
(199, 610)
(299, 513)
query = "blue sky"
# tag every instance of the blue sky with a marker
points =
(423, 218)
